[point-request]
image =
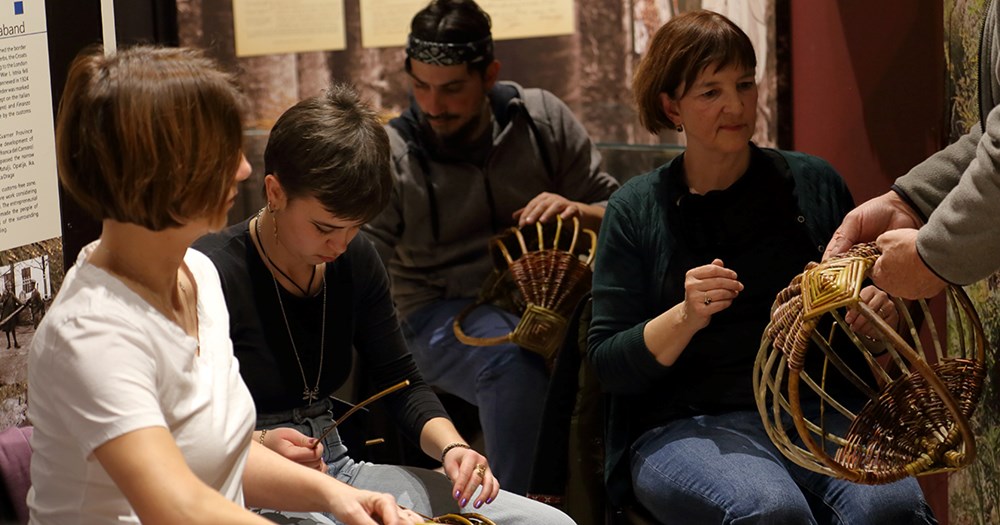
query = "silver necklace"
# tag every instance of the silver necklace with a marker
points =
(308, 394)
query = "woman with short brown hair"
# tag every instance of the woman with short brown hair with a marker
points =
(690, 259)
(139, 410)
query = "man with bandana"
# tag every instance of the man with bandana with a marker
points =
(473, 156)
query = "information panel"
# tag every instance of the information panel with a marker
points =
(29, 197)
(270, 27)
(386, 23)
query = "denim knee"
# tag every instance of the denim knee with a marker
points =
(899, 508)
(700, 509)
(771, 511)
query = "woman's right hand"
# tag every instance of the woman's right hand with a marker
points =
(364, 507)
(295, 446)
(708, 290)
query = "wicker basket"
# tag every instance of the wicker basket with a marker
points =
(542, 272)
(468, 518)
(915, 419)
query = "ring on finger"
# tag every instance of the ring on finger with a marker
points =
(708, 300)
(480, 470)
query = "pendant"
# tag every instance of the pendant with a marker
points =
(310, 395)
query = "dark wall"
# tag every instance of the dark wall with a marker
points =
(868, 95)
(868, 86)
(74, 25)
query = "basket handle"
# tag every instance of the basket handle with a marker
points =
(475, 341)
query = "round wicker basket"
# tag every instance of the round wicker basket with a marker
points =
(461, 519)
(541, 273)
(906, 409)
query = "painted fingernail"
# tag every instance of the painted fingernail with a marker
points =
(478, 504)
(458, 494)
(463, 502)
(489, 500)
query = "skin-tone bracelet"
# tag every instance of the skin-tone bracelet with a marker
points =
(262, 434)
(457, 444)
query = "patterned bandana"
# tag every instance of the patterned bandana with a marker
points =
(445, 54)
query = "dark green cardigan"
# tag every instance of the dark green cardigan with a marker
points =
(634, 250)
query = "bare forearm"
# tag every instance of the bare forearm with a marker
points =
(668, 334)
(438, 433)
(271, 481)
(167, 492)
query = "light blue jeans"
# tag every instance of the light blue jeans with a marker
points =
(724, 469)
(506, 382)
(424, 491)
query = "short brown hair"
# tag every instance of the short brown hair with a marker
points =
(149, 135)
(333, 147)
(679, 51)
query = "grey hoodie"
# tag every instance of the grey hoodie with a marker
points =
(434, 235)
(957, 190)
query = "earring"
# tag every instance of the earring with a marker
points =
(269, 208)
(679, 128)
(274, 222)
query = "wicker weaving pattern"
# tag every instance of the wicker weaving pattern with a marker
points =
(550, 268)
(462, 519)
(919, 401)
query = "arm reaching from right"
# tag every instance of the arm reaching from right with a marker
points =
(871, 219)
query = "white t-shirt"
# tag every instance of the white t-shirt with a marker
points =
(104, 363)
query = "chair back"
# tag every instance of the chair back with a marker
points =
(15, 472)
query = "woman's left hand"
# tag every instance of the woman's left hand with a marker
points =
(468, 469)
(882, 304)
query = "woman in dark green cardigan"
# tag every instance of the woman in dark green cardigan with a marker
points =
(690, 259)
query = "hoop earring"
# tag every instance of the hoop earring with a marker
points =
(269, 208)
(679, 128)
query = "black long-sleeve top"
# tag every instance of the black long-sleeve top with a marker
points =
(359, 314)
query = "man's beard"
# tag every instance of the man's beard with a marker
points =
(462, 136)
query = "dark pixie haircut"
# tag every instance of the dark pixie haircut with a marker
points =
(679, 51)
(453, 22)
(149, 135)
(333, 147)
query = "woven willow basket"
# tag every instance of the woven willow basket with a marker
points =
(544, 271)
(916, 417)
(461, 519)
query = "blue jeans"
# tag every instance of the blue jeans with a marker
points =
(506, 382)
(724, 469)
(423, 491)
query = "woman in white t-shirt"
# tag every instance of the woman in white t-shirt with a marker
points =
(140, 413)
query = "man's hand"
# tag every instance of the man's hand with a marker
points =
(900, 271)
(871, 219)
(544, 207)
